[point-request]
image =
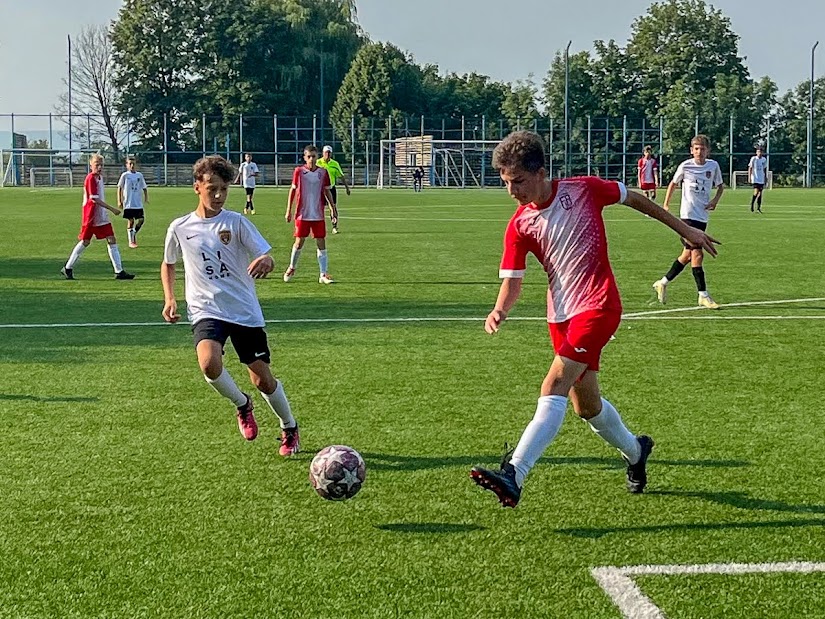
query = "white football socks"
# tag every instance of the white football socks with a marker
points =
(132, 233)
(280, 406)
(225, 385)
(610, 427)
(293, 257)
(75, 255)
(538, 434)
(323, 261)
(114, 256)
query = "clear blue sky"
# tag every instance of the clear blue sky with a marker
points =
(457, 35)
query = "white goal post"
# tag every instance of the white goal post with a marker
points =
(446, 163)
(50, 177)
(742, 179)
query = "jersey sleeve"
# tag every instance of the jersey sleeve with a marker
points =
(143, 184)
(717, 176)
(641, 163)
(171, 247)
(296, 178)
(514, 258)
(325, 182)
(253, 240)
(90, 186)
(121, 182)
(655, 164)
(679, 175)
(605, 192)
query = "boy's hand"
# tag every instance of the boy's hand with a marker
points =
(700, 240)
(494, 320)
(261, 267)
(170, 311)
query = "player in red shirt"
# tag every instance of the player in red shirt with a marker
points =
(311, 187)
(95, 222)
(560, 222)
(648, 173)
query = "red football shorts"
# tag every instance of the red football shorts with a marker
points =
(98, 232)
(583, 337)
(648, 187)
(303, 229)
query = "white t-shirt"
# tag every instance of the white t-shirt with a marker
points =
(216, 253)
(93, 188)
(248, 172)
(132, 184)
(310, 186)
(759, 169)
(697, 183)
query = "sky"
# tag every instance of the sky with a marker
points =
(457, 35)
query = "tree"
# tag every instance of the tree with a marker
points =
(93, 91)
(520, 102)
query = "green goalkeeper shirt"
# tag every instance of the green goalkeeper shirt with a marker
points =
(333, 168)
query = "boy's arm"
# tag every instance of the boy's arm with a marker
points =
(720, 189)
(333, 209)
(145, 196)
(344, 179)
(508, 294)
(696, 237)
(670, 189)
(290, 198)
(100, 202)
(170, 305)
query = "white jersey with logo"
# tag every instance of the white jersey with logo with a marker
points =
(216, 253)
(759, 170)
(697, 183)
(248, 171)
(132, 184)
(310, 186)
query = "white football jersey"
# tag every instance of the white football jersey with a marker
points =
(759, 170)
(248, 171)
(216, 253)
(697, 183)
(132, 184)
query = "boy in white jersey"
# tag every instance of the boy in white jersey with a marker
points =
(758, 174)
(95, 222)
(560, 222)
(221, 301)
(248, 172)
(132, 194)
(311, 187)
(697, 176)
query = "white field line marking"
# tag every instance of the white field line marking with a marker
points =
(650, 315)
(626, 595)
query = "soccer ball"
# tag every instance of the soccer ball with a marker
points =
(337, 472)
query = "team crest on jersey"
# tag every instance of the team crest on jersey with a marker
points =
(565, 201)
(225, 236)
(708, 174)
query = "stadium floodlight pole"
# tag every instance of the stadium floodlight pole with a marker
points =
(70, 99)
(810, 172)
(567, 109)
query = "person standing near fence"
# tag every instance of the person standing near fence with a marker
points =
(132, 195)
(335, 172)
(247, 173)
(95, 222)
(648, 173)
(758, 175)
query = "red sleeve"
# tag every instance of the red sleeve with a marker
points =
(603, 192)
(89, 189)
(325, 178)
(641, 163)
(655, 164)
(514, 257)
(296, 176)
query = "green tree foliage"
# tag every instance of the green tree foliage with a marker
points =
(519, 105)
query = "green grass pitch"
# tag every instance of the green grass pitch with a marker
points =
(126, 490)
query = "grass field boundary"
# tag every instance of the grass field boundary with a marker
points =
(618, 582)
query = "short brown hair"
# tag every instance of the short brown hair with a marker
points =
(311, 148)
(701, 140)
(521, 149)
(648, 149)
(128, 159)
(214, 165)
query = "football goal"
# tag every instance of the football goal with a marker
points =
(446, 163)
(50, 177)
(742, 180)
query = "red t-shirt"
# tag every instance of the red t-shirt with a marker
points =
(93, 215)
(568, 237)
(310, 186)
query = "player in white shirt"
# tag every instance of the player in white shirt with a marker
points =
(758, 174)
(648, 177)
(132, 195)
(698, 176)
(223, 253)
(311, 190)
(247, 173)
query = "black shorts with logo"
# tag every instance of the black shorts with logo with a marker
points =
(249, 190)
(699, 225)
(133, 213)
(249, 342)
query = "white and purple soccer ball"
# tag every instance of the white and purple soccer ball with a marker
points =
(337, 472)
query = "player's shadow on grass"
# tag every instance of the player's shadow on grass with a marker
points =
(392, 462)
(46, 399)
(742, 500)
(596, 533)
(429, 527)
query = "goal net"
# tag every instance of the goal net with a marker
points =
(50, 177)
(742, 179)
(446, 163)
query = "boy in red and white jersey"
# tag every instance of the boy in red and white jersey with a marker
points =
(560, 222)
(95, 222)
(311, 188)
(648, 173)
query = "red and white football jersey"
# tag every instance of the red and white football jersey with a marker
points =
(93, 215)
(647, 167)
(310, 186)
(568, 237)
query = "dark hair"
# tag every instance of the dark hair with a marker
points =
(311, 148)
(522, 149)
(214, 165)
